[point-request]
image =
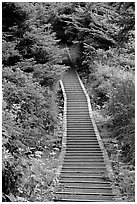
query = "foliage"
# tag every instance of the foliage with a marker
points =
(31, 67)
(84, 22)
(124, 173)
(100, 37)
(114, 91)
(12, 16)
(125, 19)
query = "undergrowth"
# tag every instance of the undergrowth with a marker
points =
(37, 168)
(124, 173)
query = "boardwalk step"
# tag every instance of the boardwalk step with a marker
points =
(77, 160)
(83, 150)
(80, 128)
(82, 174)
(84, 177)
(84, 181)
(80, 164)
(90, 197)
(85, 198)
(81, 142)
(80, 123)
(81, 131)
(89, 191)
(84, 157)
(83, 168)
(82, 136)
(83, 146)
(82, 161)
(77, 140)
(86, 136)
(77, 200)
(83, 154)
(85, 185)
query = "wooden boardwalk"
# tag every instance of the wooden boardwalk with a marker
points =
(84, 166)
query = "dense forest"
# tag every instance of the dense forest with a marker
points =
(100, 38)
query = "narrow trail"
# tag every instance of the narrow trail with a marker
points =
(82, 173)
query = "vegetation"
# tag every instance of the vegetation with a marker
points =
(100, 37)
(31, 69)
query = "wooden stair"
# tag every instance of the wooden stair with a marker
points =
(82, 174)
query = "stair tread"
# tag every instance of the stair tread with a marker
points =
(79, 160)
(81, 193)
(83, 168)
(80, 181)
(80, 200)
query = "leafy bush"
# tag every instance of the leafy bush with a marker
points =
(29, 124)
(31, 68)
(114, 90)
